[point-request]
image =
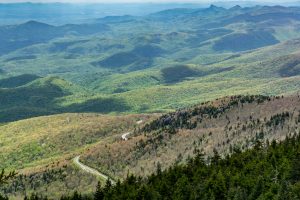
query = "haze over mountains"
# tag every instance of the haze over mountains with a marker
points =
(174, 78)
(62, 13)
(190, 53)
(56, 13)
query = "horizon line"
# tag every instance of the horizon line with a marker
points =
(155, 2)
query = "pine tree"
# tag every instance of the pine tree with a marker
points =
(216, 158)
(5, 177)
(258, 189)
(295, 173)
(284, 192)
(99, 194)
(158, 169)
(3, 198)
(219, 186)
(76, 196)
(3, 180)
(107, 186)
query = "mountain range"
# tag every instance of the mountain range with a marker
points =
(141, 94)
(194, 54)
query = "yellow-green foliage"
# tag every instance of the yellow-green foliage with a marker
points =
(41, 140)
(41, 149)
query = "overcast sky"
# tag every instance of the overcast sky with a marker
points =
(126, 1)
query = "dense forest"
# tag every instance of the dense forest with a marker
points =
(270, 170)
(184, 118)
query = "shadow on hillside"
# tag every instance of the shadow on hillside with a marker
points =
(17, 81)
(291, 67)
(19, 113)
(100, 105)
(179, 73)
(140, 57)
(245, 41)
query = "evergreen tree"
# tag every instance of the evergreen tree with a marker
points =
(108, 185)
(295, 173)
(5, 177)
(76, 196)
(216, 157)
(99, 194)
(3, 180)
(257, 190)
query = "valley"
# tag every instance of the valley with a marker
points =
(106, 62)
(126, 104)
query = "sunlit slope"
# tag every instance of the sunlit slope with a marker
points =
(41, 149)
(271, 71)
(153, 63)
(42, 140)
(129, 43)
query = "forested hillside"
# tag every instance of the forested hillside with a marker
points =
(41, 150)
(226, 125)
(268, 171)
(181, 103)
(181, 57)
(222, 125)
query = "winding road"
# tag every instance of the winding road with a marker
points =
(91, 170)
(94, 171)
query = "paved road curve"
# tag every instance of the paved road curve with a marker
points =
(125, 135)
(91, 170)
(94, 171)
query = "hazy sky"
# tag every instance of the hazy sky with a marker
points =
(125, 1)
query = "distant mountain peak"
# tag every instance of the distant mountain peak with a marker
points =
(212, 6)
(33, 23)
(215, 8)
(236, 7)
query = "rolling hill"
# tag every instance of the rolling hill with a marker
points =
(15, 37)
(41, 149)
(154, 63)
(253, 72)
(268, 171)
(175, 82)
(223, 125)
